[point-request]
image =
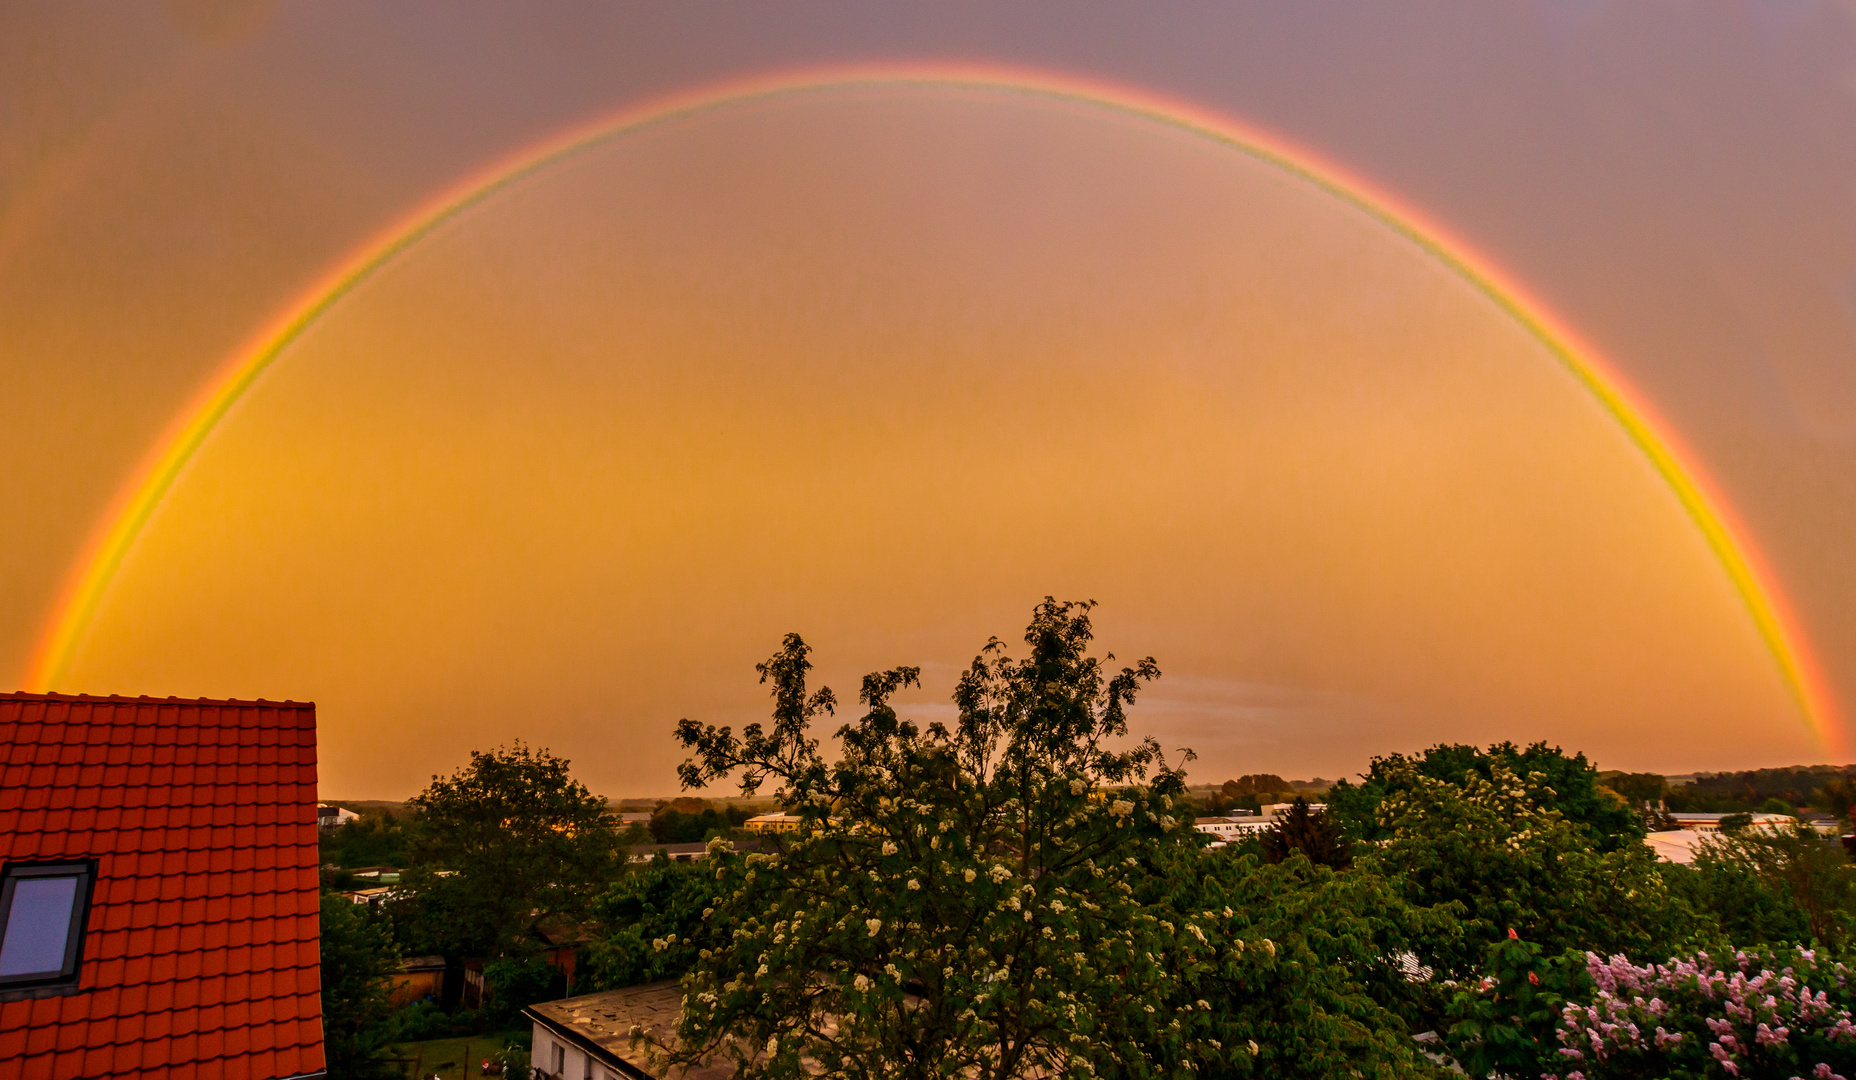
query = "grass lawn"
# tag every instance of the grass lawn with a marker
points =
(449, 1059)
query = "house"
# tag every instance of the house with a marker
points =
(334, 817)
(590, 1037)
(373, 897)
(158, 895)
(774, 823)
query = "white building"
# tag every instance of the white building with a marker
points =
(1680, 845)
(1225, 830)
(590, 1037)
(334, 817)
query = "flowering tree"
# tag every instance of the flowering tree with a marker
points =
(1305, 966)
(650, 921)
(1773, 1015)
(1553, 781)
(1510, 864)
(958, 900)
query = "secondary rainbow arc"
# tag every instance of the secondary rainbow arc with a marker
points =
(1725, 538)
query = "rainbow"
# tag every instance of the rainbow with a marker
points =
(1726, 538)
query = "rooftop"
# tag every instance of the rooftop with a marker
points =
(604, 1022)
(199, 952)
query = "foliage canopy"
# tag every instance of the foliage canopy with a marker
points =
(505, 843)
(1019, 893)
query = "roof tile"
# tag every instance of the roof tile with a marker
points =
(198, 813)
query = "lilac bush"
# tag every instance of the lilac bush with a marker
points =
(1764, 1015)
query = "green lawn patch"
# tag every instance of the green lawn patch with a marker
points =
(449, 1059)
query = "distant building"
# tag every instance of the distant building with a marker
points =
(334, 817)
(159, 893)
(1675, 845)
(681, 852)
(418, 978)
(632, 817)
(774, 823)
(1712, 822)
(373, 896)
(1281, 809)
(1680, 845)
(1226, 830)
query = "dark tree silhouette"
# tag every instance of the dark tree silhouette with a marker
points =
(1311, 832)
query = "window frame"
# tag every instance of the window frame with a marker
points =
(65, 981)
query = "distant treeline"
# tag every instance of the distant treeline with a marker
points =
(1737, 792)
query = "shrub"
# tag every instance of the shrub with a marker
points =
(423, 1020)
(514, 985)
(1778, 1014)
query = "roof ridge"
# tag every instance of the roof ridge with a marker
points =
(125, 699)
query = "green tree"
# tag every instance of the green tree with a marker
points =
(1019, 893)
(1746, 910)
(651, 923)
(1567, 785)
(1837, 795)
(1312, 833)
(1508, 863)
(1642, 789)
(358, 962)
(515, 984)
(376, 838)
(672, 826)
(1302, 962)
(508, 841)
(985, 867)
(1792, 863)
(1508, 1022)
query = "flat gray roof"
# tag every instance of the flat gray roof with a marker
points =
(603, 1022)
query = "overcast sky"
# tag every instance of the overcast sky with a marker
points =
(886, 365)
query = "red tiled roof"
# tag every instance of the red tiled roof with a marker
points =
(201, 955)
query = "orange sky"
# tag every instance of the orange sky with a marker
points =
(882, 367)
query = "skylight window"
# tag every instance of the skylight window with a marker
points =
(42, 913)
